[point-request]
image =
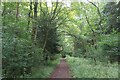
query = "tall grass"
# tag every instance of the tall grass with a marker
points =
(44, 71)
(85, 68)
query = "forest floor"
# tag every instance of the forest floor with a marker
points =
(62, 70)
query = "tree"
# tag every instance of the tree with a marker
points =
(111, 10)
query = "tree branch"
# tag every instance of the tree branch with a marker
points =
(99, 13)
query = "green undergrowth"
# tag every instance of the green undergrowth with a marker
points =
(44, 71)
(86, 68)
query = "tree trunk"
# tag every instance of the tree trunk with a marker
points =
(29, 15)
(34, 28)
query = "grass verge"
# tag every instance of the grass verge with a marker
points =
(85, 68)
(44, 71)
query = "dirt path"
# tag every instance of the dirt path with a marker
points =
(61, 71)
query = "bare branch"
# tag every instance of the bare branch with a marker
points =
(53, 14)
(67, 33)
(98, 10)
(42, 9)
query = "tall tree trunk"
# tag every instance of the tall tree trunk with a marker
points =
(93, 33)
(3, 14)
(15, 37)
(3, 31)
(15, 29)
(29, 15)
(34, 28)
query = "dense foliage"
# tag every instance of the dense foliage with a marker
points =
(33, 33)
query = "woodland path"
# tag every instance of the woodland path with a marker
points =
(62, 70)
